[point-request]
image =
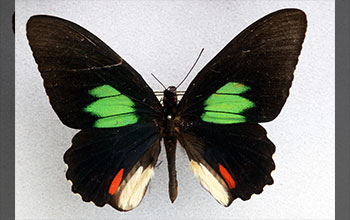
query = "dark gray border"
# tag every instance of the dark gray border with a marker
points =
(7, 111)
(7, 106)
(342, 104)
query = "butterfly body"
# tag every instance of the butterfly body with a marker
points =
(122, 123)
(168, 129)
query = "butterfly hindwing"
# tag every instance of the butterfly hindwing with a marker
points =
(246, 83)
(85, 79)
(101, 163)
(232, 161)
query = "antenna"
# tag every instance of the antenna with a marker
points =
(190, 69)
(158, 81)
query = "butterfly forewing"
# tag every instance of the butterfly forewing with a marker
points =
(255, 69)
(79, 70)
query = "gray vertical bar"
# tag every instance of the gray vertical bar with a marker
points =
(342, 104)
(7, 111)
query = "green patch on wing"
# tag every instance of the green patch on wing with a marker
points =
(112, 108)
(226, 105)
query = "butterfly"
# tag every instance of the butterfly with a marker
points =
(121, 121)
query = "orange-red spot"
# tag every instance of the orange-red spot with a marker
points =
(116, 181)
(228, 178)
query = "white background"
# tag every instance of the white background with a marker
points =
(164, 38)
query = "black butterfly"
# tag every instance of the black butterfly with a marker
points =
(112, 158)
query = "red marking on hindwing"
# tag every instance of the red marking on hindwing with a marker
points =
(116, 181)
(228, 178)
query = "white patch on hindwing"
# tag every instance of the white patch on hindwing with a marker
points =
(215, 185)
(132, 193)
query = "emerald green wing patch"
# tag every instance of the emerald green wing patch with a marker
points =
(226, 105)
(112, 108)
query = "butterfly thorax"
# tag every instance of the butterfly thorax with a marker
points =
(170, 102)
(169, 110)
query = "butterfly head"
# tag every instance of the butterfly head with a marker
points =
(171, 89)
(170, 96)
